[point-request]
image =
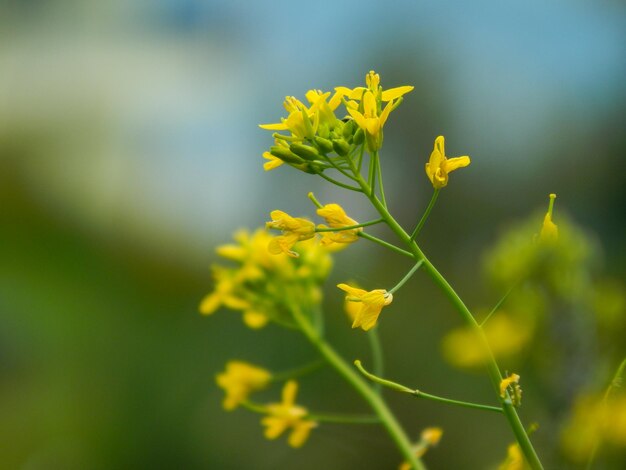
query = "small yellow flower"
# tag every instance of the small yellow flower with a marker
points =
(430, 437)
(439, 166)
(294, 229)
(372, 303)
(505, 383)
(370, 120)
(336, 218)
(549, 230)
(285, 415)
(272, 161)
(239, 380)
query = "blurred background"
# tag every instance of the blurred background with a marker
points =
(129, 149)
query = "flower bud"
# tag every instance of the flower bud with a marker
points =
(324, 145)
(348, 129)
(304, 151)
(285, 154)
(341, 147)
(358, 136)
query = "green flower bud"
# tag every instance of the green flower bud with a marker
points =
(341, 147)
(304, 151)
(348, 129)
(358, 136)
(285, 154)
(324, 145)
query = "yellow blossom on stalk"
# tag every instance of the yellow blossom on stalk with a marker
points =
(508, 381)
(430, 437)
(294, 229)
(336, 218)
(549, 230)
(272, 161)
(285, 415)
(370, 116)
(239, 380)
(372, 303)
(439, 166)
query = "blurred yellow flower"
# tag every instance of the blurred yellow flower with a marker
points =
(430, 437)
(462, 347)
(549, 230)
(336, 218)
(285, 415)
(371, 304)
(514, 459)
(239, 380)
(294, 229)
(439, 166)
(595, 419)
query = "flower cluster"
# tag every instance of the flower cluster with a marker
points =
(240, 379)
(263, 286)
(296, 229)
(316, 135)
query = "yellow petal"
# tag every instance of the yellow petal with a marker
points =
(504, 384)
(289, 393)
(255, 320)
(452, 164)
(440, 145)
(353, 291)
(385, 114)
(394, 93)
(300, 433)
(210, 304)
(282, 126)
(369, 105)
(358, 117)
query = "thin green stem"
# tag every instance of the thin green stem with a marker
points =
(492, 366)
(297, 372)
(344, 419)
(422, 221)
(419, 394)
(379, 171)
(374, 239)
(376, 347)
(406, 277)
(339, 169)
(339, 183)
(320, 417)
(349, 227)
(377, 404)
(371, 177)
(361, 152)
(314, 200)
(498, 305)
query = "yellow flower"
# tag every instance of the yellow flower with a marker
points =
(462, 347)
(273, 162)
(294, 229)
(372, 303)
(285, 415)
(549, 230)
(371, 121)
(336, 218)
(430, 437)
(372, 80)
(239, 380)
(505, 383)
(223, 295)
(439, 166)
(514, 459)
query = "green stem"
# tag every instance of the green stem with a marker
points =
(349, 227)
(379, 171)
(419, 394)
(371, 177)
(406, 277)
(492, 367)
(377, 354)
(422, 221)
(296, 372)
(498, 305)
(344, 419)
(372, 238)
(339, 183)
(377, 404)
